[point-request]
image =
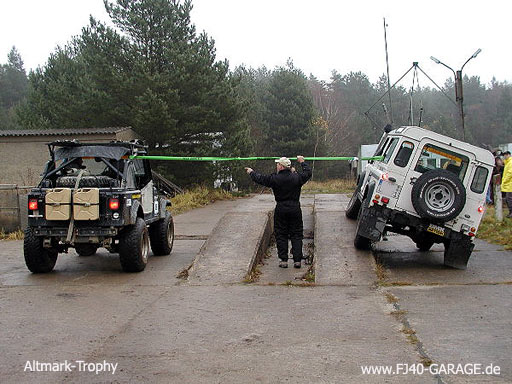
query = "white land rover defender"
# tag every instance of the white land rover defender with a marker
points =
(427, 186)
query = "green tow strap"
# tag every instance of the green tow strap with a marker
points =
(181, 158)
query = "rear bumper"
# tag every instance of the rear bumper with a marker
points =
(79, 232)
(380, 218)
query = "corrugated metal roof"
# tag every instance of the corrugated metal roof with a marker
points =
(63, 132)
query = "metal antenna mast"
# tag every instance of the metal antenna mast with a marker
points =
(387, 67)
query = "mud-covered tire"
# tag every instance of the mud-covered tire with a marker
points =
(362, 243)
(87, 181)
(38, 258)
(134, 247)
(424, 245)
(161, 234)
(353, 206)
(438, 195)
(86, 249)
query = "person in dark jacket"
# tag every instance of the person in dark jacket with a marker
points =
(286, 185)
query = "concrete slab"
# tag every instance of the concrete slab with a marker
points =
(102, 268)
(233, 248)
(233, 334)
(406, 264)
(331, 202)
(272, 274)
(201, 221)
(463, 325)
(337, 262)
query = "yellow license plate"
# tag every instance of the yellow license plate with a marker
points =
(436, 230)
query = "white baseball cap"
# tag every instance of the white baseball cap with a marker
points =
(284, 161)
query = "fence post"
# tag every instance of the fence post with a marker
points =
(498, 202)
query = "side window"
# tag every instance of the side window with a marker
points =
(130, 176)
(381, 147)
(141, 175)
(434, 157)
(479, 180)
(404, 154)
(389, 151)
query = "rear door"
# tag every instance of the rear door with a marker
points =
(432, 155)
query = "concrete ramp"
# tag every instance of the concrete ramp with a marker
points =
(337, 262)
(232, 249)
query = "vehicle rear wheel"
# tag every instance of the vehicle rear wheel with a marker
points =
(134, 247)
(38, 258)
(161, 234)
(424, 245)
(86, 249)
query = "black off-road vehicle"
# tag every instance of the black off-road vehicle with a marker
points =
(95, 195)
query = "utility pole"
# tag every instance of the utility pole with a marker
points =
(459, 96)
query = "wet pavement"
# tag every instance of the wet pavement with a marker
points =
(160, 327)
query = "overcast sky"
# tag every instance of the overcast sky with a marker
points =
(319, 36)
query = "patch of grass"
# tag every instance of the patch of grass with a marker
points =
(494, 231)
(392, 299)
(399, 314)
(290, 283)
(426, 361)
(253, 276)
(16, 235)
(381, 273)
(309, 276)
(330, 186)
(198, 197)
(184, 273)
(395, 284)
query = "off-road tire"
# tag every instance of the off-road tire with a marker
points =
(86, 249)
(38, 258)
(424, 245)
(438, 195)
(161, 234)
(134, 247)
(353, 207)
(361, 242)
(87, 181)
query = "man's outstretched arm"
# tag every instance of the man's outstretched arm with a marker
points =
(306, 173)
(265, 180)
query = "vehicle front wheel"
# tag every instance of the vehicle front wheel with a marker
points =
(353, 206)
(362, 243)
(161, 234)
(134, 247)
(38, 258)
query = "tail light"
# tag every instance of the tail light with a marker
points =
(113, 204)
(385, 200)
(384, 176)
(32, 205)
(480, 209)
